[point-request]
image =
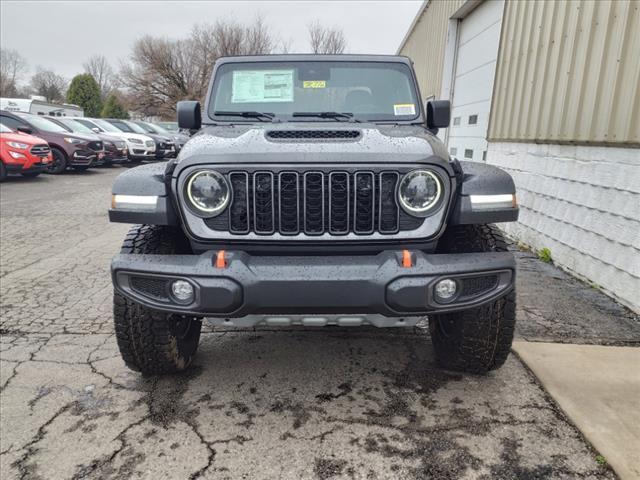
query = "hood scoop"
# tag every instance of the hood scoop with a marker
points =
(313, 135)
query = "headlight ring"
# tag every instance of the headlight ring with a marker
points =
(420, 192)
(207, 193)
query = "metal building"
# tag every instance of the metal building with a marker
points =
(549, 91)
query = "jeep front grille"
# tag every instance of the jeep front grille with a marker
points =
(313, 203)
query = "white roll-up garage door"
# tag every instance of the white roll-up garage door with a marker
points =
(477, 52)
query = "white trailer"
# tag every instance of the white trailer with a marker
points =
(39, 106)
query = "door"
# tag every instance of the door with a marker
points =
(475, 67)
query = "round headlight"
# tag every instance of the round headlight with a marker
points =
(419, 192)
(208, 192)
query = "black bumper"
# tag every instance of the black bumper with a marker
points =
(256, 285)
(19, 168)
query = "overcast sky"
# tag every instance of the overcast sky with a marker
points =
(62, 35)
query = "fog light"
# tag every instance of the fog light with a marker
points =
(182, 291)
(446, 289)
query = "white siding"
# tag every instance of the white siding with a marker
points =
(583, 203)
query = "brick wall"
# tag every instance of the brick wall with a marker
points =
(583, 203)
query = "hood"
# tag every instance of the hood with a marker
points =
(109, 138)
(364, 143)
(22, 138)
(87, 137)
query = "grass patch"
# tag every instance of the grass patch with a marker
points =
(545, 255)
(600, 460)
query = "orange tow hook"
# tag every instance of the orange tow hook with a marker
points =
(220, 261)
(406, 259)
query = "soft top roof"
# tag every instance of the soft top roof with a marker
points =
(310, 57)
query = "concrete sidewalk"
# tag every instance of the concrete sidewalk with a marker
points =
(598, 387)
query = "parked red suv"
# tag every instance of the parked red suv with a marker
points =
(76, 150)
(22, 153)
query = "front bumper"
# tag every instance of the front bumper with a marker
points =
(311, 285)
(28, 167)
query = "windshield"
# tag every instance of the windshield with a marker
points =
(362, 91)
(145, 127)
(104, 125)
(155, 128)
(121, 125)
(75, 126)
(44, 124)
(136, 128)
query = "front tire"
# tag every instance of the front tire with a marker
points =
(479, 339)
(152, 342)
(59, 163)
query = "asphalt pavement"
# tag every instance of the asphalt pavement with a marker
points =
(266, 403)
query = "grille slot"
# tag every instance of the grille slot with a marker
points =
(95, 146)
(40, 150)
(313, 134)
(263, 204)
(239, 208)
(473, 286)
(313, 202)
(364, 203)
(339, 203)
(289, 203)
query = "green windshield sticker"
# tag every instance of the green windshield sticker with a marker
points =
(262, 86)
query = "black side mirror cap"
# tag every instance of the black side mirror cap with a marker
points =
(189, 116)
(438, 113)
(27, 130)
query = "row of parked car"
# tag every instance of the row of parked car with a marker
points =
(33, 144)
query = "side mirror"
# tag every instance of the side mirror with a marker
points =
(438, 113)
(95, 130)
(27, 130)
(189, 116)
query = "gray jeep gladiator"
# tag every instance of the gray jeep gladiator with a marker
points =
(314, 191)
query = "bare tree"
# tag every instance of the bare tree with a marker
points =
(49, 84)
(99, 68)
(162, 72)
(326, 40)
(12, 67)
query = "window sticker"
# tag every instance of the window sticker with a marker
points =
(262, 86)
(404, 109)
(314, 84)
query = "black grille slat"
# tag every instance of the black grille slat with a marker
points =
(364, 203)
(263, 203)
(339, 202)
(239, 217)
(151, 287)
(313, 203)
(289, 203)
(388, 210)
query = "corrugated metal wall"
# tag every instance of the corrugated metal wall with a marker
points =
(568, 71)
(426, 44)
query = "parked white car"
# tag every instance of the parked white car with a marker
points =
(141, 147)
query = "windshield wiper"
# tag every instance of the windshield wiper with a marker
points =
(257, 115)
(335, 115)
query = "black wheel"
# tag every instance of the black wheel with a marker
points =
(81, 168)
(30, 174)
(479, 339)
(3, 172)
(153, 342)
(59, 163)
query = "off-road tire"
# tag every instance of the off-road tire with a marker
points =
(59, 163)
(153, 342)
(479, 339)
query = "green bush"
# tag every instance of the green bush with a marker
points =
(113, 108)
